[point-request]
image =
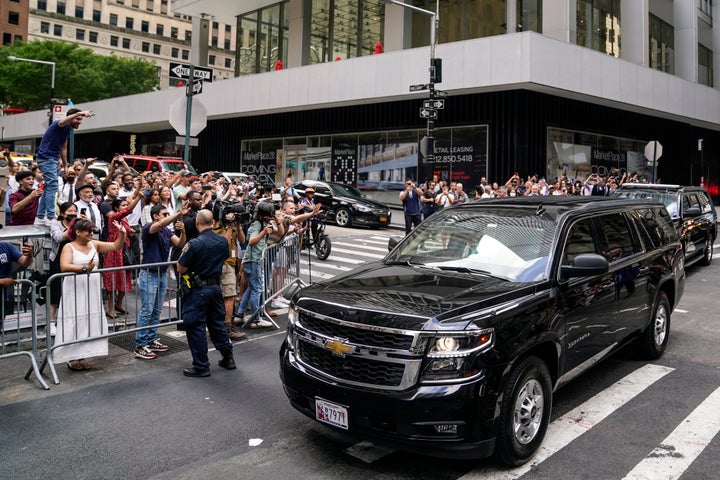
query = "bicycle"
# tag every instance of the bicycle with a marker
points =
(321, 243)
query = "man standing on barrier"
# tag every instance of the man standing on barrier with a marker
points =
(201, 268)
(152, 281)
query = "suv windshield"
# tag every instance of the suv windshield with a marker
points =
(666, 198)
(513, 244)
(176, 167)
(345, 191)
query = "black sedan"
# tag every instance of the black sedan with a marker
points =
(346, 205)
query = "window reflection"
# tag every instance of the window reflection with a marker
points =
(341, 29)
(598, 25)
(262, 38)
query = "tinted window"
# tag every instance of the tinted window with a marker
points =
(141, 165)
(658, 226)
(171, 166)
(616, 237)
(704, 202)
(579, 241)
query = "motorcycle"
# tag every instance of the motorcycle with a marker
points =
(321, 243)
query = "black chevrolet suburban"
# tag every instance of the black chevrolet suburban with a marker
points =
(453, 344)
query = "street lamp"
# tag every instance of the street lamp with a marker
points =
(13, 58)
(431, 107)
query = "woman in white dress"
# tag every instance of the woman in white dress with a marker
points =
(80, 313)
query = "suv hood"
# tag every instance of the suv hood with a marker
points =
(407, 297)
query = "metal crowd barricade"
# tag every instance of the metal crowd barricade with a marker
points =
(281, 269)
(123, 324)
(17, 314)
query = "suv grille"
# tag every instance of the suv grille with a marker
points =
(357, 336)
(355, 369)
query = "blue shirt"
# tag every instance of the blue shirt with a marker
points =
(53, 140)
(9, 253)
(205, 254)
(156, 246)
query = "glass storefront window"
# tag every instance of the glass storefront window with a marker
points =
(341, 29)
(578, 154)
(262, 38)
(598, 25)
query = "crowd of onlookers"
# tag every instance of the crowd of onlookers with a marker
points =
(421, 201)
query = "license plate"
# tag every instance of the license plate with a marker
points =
(331, 413)
(383, 219)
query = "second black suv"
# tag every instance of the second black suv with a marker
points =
(453, 344)
(692, 211)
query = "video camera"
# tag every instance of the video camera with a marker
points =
(222, 209)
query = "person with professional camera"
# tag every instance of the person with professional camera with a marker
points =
(257, 235)
(203, 305)
(228, 223)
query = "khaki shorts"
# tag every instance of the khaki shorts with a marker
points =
(227, 281)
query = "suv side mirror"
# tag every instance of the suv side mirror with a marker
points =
(585, 265)
(393, 242)
(692, 212)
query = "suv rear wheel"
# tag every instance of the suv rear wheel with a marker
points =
(525, 411)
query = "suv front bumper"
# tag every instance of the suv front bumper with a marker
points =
(451, 421)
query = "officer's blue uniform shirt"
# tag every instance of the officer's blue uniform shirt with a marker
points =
(202, 255)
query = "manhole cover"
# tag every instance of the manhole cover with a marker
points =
(127, 342)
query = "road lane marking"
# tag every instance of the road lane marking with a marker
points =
(360, 246)
(580, 420)
(675, 454)
(355, 252)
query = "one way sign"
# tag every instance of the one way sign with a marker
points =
(180, 70)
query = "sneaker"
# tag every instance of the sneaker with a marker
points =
(42, 222)
(260, 323)
(283, 301)
(279, 305)
(53, 329)
(144, 352)
(233, 333)
(157, 347)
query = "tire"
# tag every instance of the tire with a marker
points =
(342, 217)
(707, 251)
(525, 412)
(657, 334)
(323, 247)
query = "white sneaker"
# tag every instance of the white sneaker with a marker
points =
(53, 329)
(283, 301)
(41, 222)
(279, 305)
(260, 323)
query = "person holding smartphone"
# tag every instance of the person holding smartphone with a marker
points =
(25, 201)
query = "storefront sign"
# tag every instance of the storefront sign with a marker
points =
(344, 164)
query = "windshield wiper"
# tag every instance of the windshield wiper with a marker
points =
(464, 269)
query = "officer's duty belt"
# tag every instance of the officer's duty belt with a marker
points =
(202, 282)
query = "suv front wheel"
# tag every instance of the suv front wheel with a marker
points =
(525, 412)
(707, 251)
(656, 335)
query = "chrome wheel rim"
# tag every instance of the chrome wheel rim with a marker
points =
(342, 217)
(528, 413)
(660, 325)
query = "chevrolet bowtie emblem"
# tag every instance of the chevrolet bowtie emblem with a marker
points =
(339, 347)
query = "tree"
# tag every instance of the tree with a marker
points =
(80, 75)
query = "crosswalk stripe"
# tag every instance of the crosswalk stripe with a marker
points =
(360, 246)
(675, 454)
(581, 419)
(355, 252)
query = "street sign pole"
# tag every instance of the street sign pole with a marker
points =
(188, 116)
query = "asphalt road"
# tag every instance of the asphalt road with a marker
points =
(131, 418)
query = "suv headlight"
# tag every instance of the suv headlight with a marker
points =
(450, 354)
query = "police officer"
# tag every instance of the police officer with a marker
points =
(201, 267)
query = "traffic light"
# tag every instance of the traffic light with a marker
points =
(436, 70)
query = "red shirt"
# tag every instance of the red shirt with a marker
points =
(26, 216)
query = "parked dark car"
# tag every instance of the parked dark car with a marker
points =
(453, 344)
(346, 205)
(692, 211)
